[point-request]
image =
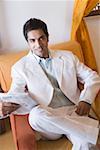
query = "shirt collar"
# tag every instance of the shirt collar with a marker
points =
(39, 58)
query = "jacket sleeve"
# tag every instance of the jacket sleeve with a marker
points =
(18, 94)
(90, 79)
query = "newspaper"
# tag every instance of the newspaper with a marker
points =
(23, 99)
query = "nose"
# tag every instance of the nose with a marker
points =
(37, 43)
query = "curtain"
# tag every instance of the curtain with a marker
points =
(79, 30)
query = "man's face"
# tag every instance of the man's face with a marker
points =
(38, 42)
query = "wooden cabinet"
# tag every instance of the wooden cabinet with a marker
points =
(2, 121)
(2, 126)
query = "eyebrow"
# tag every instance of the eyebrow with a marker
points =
(38, 38)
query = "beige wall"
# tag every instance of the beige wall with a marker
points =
(56, 13)
(93, 24)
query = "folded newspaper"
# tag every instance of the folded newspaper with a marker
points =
(25, 101)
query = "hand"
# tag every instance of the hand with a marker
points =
(7, 108)
(83, 108)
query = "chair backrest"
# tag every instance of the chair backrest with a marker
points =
(70, 46)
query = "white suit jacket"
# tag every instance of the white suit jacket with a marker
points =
(68, 70)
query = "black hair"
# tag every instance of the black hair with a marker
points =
(34, 24)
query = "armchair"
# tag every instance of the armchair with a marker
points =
(23, 135)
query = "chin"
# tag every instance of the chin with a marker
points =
(40, 54)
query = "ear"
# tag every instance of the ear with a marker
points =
(48, 38)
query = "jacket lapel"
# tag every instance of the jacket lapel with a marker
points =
(38, 71)
(44, 90)
(58, 65)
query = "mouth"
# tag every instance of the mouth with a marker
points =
(39, 49)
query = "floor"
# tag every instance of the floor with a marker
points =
(6, 141)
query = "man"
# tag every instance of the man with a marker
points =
(44, 84)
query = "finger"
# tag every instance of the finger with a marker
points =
(1, 114)
(79, 111)
(14, 103)
(10, 105)
(6, 112)
(9, 109)
(5, 109)
(82, 112)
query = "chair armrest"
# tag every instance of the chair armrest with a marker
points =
(96, 106)
(23, 134)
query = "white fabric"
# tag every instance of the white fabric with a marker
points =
(52, 123)
(67, 69)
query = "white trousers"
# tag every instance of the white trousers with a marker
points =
(53, 123)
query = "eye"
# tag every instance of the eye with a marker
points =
(43, 38)
(32, 40)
